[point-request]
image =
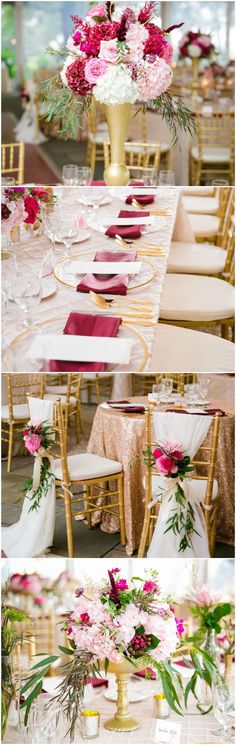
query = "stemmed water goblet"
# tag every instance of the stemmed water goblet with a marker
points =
(222, 705)
(68, 233)
(27, 293)
(203, 385)
(166, 388)
(9, 274)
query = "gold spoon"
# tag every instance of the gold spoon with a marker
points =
(140, 246)
(104, 303)
(162, 211)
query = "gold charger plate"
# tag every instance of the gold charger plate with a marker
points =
(35, 330)
(71, 283)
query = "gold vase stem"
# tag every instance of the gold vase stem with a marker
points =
(117, 116)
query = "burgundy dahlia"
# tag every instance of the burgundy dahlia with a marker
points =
(5, 212)
(75, 78)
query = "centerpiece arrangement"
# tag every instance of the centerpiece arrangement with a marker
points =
(122, 627)
(208, 610)
(196, 46)
(23, 206)
(117, 57)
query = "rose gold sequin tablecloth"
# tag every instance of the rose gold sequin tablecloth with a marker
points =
(122, 437)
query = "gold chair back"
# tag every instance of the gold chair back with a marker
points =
(139, 156)
(145, 382)
(205, 464)
(13, 157)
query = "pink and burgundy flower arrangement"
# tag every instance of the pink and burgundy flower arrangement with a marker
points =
(117, 620)
(115, 55)
(30, 584)
(38, 437)
(21, 205)
(196, 45)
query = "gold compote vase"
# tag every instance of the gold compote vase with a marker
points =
(117, 116)
(122, 721)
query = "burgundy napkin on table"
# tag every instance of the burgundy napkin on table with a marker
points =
(97, 682)
(113, 284)
(127, 231)
(86, 324)
(142, 673)
(136, 408)
(141, 198)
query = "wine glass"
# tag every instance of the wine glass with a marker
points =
(167, 178)
(84, 176)
(8, 181)
(97, 196)
(192, 392)
(166, 388)
(203, 385)
(69, 175)
(9, 274)
(46, 722)
(222, 704)
(67, 233)
(27, 293)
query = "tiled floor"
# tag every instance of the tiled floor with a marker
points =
(88, 543)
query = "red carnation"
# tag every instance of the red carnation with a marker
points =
(32, 208)
(75, 78)
(155, 43)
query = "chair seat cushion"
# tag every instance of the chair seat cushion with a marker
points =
(20, 411)
(212, 154)
(56, 389)
(187, 297)
(83, 466)
(205, 225)
(198, 487)
(201, 205)
(198, 191)
(177, 349)
(196, 258)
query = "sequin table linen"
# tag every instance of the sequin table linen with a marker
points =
(30, 253)
(122, 437)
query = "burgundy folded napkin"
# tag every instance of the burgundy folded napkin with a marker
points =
(113, 284)
(127, 231)
(204, 412)
(142, 673)
(181, 663)
(141, 198)
(120, 406)
(84, 324)
(97, 682)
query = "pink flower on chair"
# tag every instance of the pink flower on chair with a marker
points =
(33, 443)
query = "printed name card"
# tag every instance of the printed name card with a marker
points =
(166, 732)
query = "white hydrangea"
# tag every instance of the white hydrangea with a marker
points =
(115, 87)
(194, 50)
(68, 62)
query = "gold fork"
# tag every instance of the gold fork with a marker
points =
(129, 311)
(162, 211)
(148, 249)
(104, 303)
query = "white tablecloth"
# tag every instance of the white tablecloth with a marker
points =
(31, 250)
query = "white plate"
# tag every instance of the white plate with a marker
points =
(133, 695)
(82, 236)
(48, 287)
(154, 224)
(63, 270)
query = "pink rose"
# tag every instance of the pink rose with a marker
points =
(33, 443)
(150, 586)
(99, 11)
(40, 601)
(164, 465)
(93, 70)
(109, 51)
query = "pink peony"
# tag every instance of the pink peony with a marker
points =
(33, 443)
(153, 79)
(93, 70)
(109, 51)
(99, 11)
(165, 465)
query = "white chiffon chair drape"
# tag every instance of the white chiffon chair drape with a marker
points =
(33, 533)
(190, 431)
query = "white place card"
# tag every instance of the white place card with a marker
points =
(106, 267)
(72, 348)
(166, 732)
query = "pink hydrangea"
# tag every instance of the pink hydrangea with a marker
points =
(153, 79)
(93, 70)
(164, 628)
(33, 443)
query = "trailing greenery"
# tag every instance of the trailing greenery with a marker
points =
(63, 107)
(46, 479)
(175, 113)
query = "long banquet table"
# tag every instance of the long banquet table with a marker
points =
(122, 437)
(31, 251)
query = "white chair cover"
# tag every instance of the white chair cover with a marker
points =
(190, 431)
(33, 533)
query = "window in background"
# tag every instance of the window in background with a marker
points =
(9, 38)
(215, 18)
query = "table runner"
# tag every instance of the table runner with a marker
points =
(122, 437)
(31, 251)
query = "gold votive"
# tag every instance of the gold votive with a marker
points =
(15, 234)
(161, 706)
(90, 721)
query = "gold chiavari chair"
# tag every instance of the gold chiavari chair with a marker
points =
(139, 156)
(16, 412)
(91, 475)
(97, 385)
(69, 393)
(139, 380)
(38, 638)
(204, 259)
(214, 153)
(138, 132)
(205, 472)
(211, 228)
(13, 157)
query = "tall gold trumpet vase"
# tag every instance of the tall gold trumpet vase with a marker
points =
(195, 76)
(122, 721)
(228, 670)
(117, 116)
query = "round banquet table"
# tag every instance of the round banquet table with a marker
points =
(196, 729)
(121, 437)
